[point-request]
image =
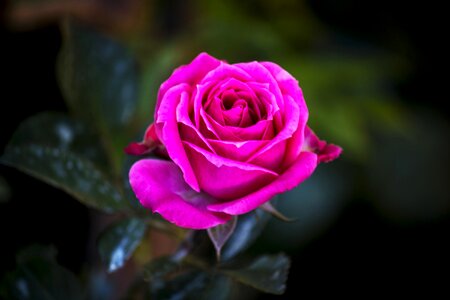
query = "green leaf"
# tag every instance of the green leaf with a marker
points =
(99, 81)
(248, 228)
(118, 242)
(39, 277)
(267, 273)
(68, 171)
(58, 130)
(220, 234)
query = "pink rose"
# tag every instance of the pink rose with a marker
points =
(236, 136)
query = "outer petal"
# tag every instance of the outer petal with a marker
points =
(167, 129)
(160, 187)
(326, 152)
(297, 173)
(189, 74)
(289, 86)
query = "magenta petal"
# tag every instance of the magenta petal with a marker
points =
(167, 129)
(189, 74)
(137, 149)
(325, 152)
(297, 173)
(160, 187)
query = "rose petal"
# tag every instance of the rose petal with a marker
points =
(189, 74)
(289, 86)
(224, 178)
(260, 74)
(297, 173)
(167, 129)
(160, 187)
(188, 131)
(226, 71)
(326, 152)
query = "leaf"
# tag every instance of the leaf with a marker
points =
(58, 130)
(118, 242)
(247, 230)
(268, 273)
(220, 234)
(99, 81)
(98, 76)
(39, 277)
(218, 288)
(187, 285)
(67, 171)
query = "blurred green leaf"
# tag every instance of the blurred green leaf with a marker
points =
(219, 287)
(248, 228)
(39, 277)
(99, 81)
(220, 234)
(267, 273)
(187, 285)
(160, 267)
(118, 242)
(68, 171)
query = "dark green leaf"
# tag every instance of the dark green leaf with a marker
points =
(67, 171)
(118, 242)
(39, 277)
(98, 76)
(267, 273)
(220, 234)
(248, 228)
(99, 81)
(60, 131)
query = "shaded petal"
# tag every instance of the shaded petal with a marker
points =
(167, 129)
(147, 145)
(230, 133)
(236, 150)
(160, 187)
(325, 152)
(297, 173)
(224, 178)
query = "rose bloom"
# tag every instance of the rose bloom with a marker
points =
(235, 135)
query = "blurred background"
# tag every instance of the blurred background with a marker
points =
(376, 221)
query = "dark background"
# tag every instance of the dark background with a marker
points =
(361, 253)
